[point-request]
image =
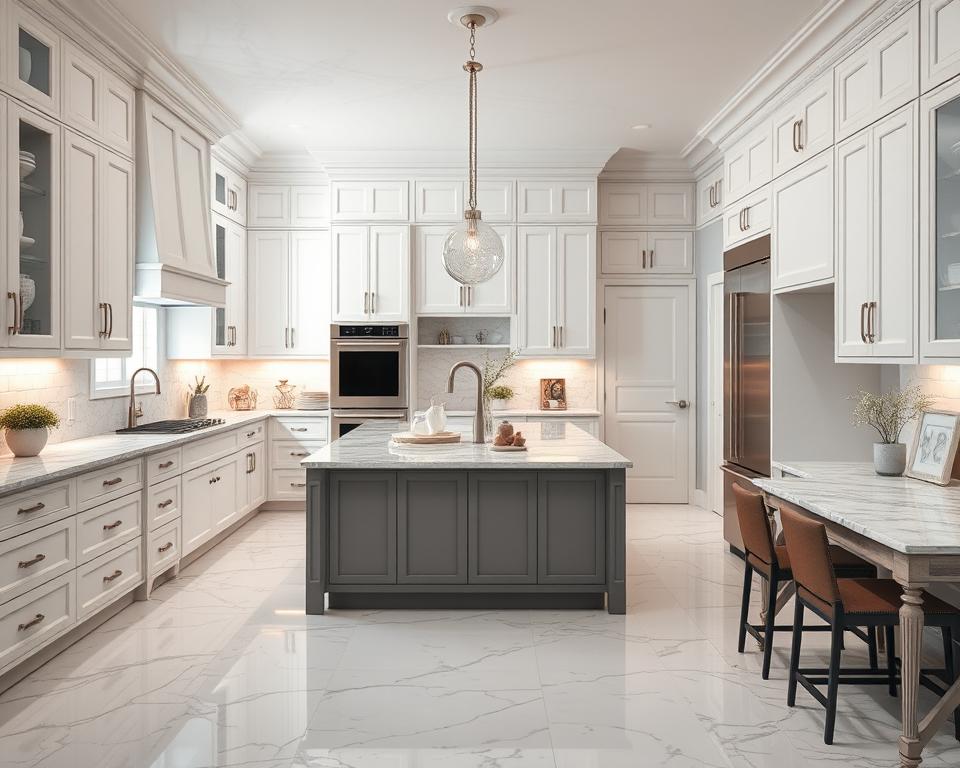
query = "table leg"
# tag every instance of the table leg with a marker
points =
(911, 631)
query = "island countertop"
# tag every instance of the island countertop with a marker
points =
(906, 515)
(549, 446)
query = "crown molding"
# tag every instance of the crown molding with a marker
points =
(287, 168)
(237, 151)
(636, 165)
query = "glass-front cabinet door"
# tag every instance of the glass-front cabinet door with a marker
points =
(33, 60)
(229, 326)
(33, 236)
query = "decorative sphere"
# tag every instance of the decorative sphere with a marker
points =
(472, 252)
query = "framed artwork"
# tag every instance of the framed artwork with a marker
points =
(553, 394)
(934, 447)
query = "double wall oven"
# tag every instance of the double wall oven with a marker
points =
(368, 375)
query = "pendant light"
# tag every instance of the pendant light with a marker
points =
(472, 250)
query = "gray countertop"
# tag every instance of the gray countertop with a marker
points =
(558, 445)
(906, 515)
(74, 457)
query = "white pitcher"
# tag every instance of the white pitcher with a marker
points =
(436, 416)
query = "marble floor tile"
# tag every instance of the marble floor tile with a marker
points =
(222, 667)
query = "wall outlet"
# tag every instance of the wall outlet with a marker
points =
(71, 410)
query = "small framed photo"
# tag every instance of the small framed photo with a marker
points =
(553, 394)
(934, 447)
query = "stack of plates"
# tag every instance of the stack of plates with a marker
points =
(313, 401)
(28, 163)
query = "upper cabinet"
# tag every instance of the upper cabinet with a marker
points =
(549, 200)
(438, 201)
(629, 204)
(710, 196)
(370, 273)
(803, 127)
(748, 165)
(647, 253)
(274, 206)
(369, 201)
(33, 59)
(747, 219)
(229, 192)
(939, 42)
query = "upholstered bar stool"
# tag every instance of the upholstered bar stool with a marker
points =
(846, 603)
(772, 563)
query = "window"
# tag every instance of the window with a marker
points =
(110, 376)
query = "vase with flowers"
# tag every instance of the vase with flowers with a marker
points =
(197, 408)
(493, 371)
(888, 413)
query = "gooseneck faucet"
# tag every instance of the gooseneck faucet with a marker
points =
(134, 412)
(478, 435)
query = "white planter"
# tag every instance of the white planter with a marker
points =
(889, 459)
(499, 405)
(26, 442)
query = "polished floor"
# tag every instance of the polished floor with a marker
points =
(222, 668)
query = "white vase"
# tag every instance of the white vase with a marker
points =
(28, 292)
(889, 459)
(436, 417)
(498, 404)
(26, 442)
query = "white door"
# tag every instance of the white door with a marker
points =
(229, 491)
(268, 296)
(84, 319)
(197, 511)
(256, 477)
(309, 207)
(389, 273)
(576, 281)
(309, 297)
(437, 292)
(115, 259)
(537, 290)
(236, 273)
(349, 273)
(669, 205)
(495, 297)
(715, 378)
(647, 388)
(670, 253)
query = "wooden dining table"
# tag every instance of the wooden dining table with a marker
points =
(906, 527)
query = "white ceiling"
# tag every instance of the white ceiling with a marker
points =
(387, 74)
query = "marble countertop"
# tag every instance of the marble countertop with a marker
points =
(570, 413)
(906, 515)
(559, 445)
(74, 457)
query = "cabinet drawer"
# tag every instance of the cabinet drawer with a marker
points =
(287, 454)
(102, 528)
(108, 577)
(288, 484)
(748, 219)
(30, 509)
(35, 618)
(163, 548)
(285, 428)
(210, 449)
(98, 487)
(163, 502)
(252, 433)
(36, 557)
(161, 466)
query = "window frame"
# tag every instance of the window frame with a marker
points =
(146, 356)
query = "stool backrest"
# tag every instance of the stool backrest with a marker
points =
(809, 553)
(754, 523)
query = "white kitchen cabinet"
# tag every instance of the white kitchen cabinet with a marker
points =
(710, 197)
(309, 207)
(801, 243)
(255, 479)
(939, 42)
(623, 204)
(440, 200)
(879, 76)
(670, 205)
(33, 77)
(630, 204)
(82, 90)
(747, 219)
(229, 190)
(877, 259)
(269, 206)
(440, 294)
(369, 201)
(288, 294)
(211, 501)
(748, 164)
(803, 127)
(300, 206)
(650, 253)
(495, 199)
(117, 113)
(370, 275)
(556, 274)
(98, 246)
(550, 201)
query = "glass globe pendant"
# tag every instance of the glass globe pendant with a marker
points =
(472, 250)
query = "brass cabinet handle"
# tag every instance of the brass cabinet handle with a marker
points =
(35, 508)
(111, 526)
(14, 329)
(373, 302)
(298, 429)
(718, 186)
(460, 296)
(299, 453)
(469, 295)
(793, 138)
(651, 258)
(293, 338)
(800, 135)
(164, 504)
(298, 485)
(366, 302)
(553, 341)
(643, 256)
(286, 338)
(251, 463)
(113, 576)
(871, 311)
(710, 197)
(110, 316)
(746, 218)
(741, 219)
(863, 332)
(108, 483)
(561, 336)
(103, 319)
(165, 547)
(252, 434)
(32, 623)
(32, 561)
(165, 464)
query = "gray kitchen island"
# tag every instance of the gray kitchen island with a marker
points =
(460, 525)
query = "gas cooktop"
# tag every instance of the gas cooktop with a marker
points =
(172, 426)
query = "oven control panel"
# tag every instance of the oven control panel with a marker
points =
(369, 331)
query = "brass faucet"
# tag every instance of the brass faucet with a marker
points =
(478, 432)
(134, 412)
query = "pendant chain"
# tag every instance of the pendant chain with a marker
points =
(473, 118)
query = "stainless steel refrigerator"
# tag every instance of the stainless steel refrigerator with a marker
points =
(746, 373)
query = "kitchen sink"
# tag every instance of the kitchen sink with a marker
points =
(171, 426)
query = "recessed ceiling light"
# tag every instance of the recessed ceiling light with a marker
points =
(641, 126)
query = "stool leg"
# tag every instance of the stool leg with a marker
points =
(795, 652)
(872, 647)
(891, 661)
(833, 682)
(769, 624)
(745, 605)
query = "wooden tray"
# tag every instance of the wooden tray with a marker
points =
(438, 439)
(508, 448)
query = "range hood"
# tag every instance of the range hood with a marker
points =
(175, 261)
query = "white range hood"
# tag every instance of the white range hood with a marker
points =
(175, 260)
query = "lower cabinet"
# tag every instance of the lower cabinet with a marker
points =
(210, 501)
(571, 528)
(432, 528)
(502, 537)
(363, 527)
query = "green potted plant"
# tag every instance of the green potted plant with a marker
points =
(499, 395)
(889, 413)
(197, 408)
(26, 428)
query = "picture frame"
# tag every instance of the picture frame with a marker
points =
(934, 447)
(553, 394)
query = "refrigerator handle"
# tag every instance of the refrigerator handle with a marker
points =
(733, 415)
(738, 303)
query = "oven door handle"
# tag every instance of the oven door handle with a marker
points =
(366, 345)
(392, 416)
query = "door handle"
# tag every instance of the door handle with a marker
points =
(651, 258)
(871, 311)
(553, 342)
(741, 219)
(293, 338)
(460, 296)
(15, 328)
(113, 576)
(32, 623)
(681, 404)
(366, 302)
(710, 197)
(717, 187)
(796, 148)
(32, 561)
(102, 306)
(109, 315)
(863, 332)
(373, 302)
(746, 218)
(800, 135)
(286, 338)
(561, 336)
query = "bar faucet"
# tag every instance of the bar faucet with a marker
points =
(134, 412)
(478, 432)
